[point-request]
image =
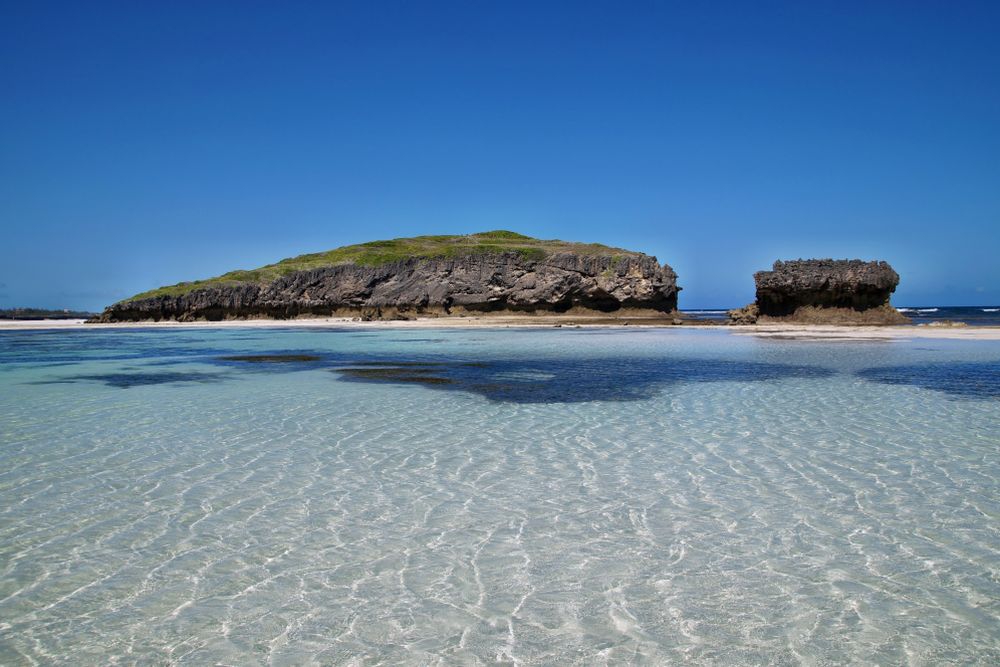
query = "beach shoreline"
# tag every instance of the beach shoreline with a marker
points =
(772, 331)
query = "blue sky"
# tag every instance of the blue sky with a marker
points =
(145, 143)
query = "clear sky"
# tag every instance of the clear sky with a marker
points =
(145, 143)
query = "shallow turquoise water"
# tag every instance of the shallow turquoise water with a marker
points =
(528, 496)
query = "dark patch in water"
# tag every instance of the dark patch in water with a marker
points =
(415, 364)
(278, 361)
(164, 355)
(406, 374)
(386, 371)
(126, 380)
(570, 381)
(272, 358)
(967, 380)
(422, 364)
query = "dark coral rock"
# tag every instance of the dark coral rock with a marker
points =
(434, 286)
(817, 291)
(746, 315)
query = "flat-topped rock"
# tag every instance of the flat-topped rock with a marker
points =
(824, 291)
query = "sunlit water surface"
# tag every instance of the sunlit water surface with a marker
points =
(287, 497)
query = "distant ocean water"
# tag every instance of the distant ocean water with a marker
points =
(972, 315)
(537, 496)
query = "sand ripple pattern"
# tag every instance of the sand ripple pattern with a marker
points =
(287, 518)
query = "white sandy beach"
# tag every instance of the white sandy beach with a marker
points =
(777, 331)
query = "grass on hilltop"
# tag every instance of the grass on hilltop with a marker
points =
(375, 253)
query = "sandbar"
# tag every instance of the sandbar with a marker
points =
(804, 332)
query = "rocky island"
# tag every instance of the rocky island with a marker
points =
(823, 291)
(489, 272)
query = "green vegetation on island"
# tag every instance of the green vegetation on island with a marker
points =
(376, 253)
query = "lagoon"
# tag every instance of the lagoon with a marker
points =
(530, 496)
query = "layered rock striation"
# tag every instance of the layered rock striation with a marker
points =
(824, 291)
(487, 281)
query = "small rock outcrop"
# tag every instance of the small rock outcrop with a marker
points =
(746, 315)
(476, 282)
(823, 291)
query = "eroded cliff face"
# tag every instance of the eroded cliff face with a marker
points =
(474, 283)
(820, 291)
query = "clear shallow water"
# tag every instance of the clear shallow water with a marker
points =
(549, 496)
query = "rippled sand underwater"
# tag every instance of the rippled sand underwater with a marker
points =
(551, 496)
